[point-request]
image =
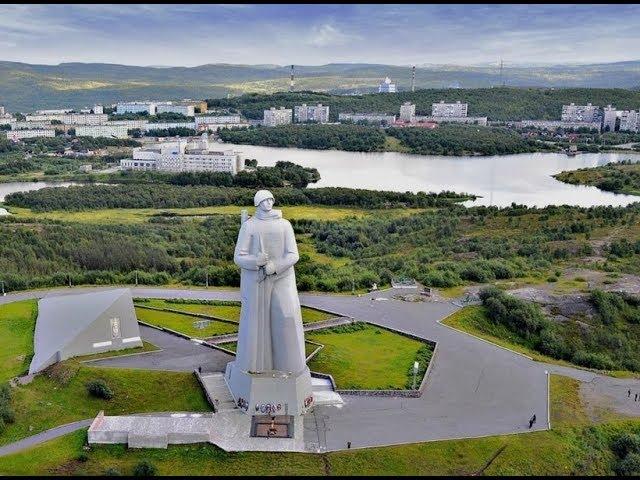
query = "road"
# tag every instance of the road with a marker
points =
(474, 388)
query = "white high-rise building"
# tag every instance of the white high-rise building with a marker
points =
(580, 113)
(69, 118)
(449, 109)
(367, 117)
(274, 117)
(169, 107)
(1, 110)
(386, 86)
(17, 135)
(609, 116)
(97, 109)
(184, 156)
(630, 121)
(108, 131)
(407, 112)
(136, 107)
(315, 113)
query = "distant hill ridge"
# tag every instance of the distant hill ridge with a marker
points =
(25, 87)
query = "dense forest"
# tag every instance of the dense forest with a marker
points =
(282, 174)
(621, 177)
(91, 197)
(498, 103)
(352, 138)
(442, 247)
(447, 139)
(465, 139)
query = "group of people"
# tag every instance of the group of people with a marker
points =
(629, 395)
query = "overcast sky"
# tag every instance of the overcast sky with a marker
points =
(190, 35)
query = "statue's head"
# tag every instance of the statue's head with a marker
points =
(264, 200)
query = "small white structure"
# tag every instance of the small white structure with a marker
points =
(386, 86)
(4, 212)
(73, 325)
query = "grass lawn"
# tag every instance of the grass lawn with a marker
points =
(51, 401)
(308, 347)
(371, 358)
(17, 324)
(141, 215)
(146, 347)
(572, 447)
(184, 323)
(228, 312)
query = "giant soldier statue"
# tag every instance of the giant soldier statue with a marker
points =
(269, 374)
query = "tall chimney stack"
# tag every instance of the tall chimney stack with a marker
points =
(413, 78)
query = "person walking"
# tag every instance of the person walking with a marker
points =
(348, 444)
(532, 420)
(629, 393)
(636, 399)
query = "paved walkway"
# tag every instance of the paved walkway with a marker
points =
(474, 388)
(45, 436)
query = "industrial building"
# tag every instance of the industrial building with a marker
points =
(311, 113)
(184, 156)
(387, 86)
(274, 117)
(73, 325)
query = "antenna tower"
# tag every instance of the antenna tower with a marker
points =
(501, 74)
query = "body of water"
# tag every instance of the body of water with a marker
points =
(11, 187)
(500, 180)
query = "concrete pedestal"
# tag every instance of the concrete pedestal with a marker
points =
(270, 393)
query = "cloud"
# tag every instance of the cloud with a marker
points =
(326, 35)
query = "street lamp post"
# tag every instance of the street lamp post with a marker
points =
(136, 278)
(3, 292)
(416, 366)
(206, 282)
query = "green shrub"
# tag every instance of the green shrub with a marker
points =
(112, 472)
(83, 457)
(599, 361)
(629, 466)
(626, 443)
(552, 279)
(144, 469)
(99, 389)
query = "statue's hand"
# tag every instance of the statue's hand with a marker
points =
(261, 259)
(270, 268)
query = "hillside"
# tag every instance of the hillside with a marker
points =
(27, 87)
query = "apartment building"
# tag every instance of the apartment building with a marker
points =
(274, 117)
(311, 113)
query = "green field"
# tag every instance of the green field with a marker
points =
(573, 447)
(228, 312)
(141, 215)
(621, 177)
(184, 323)
(370, 359)
(309, 348)
(62, 398)
(17, 324)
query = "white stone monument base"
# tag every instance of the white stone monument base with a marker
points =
(273, 392)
